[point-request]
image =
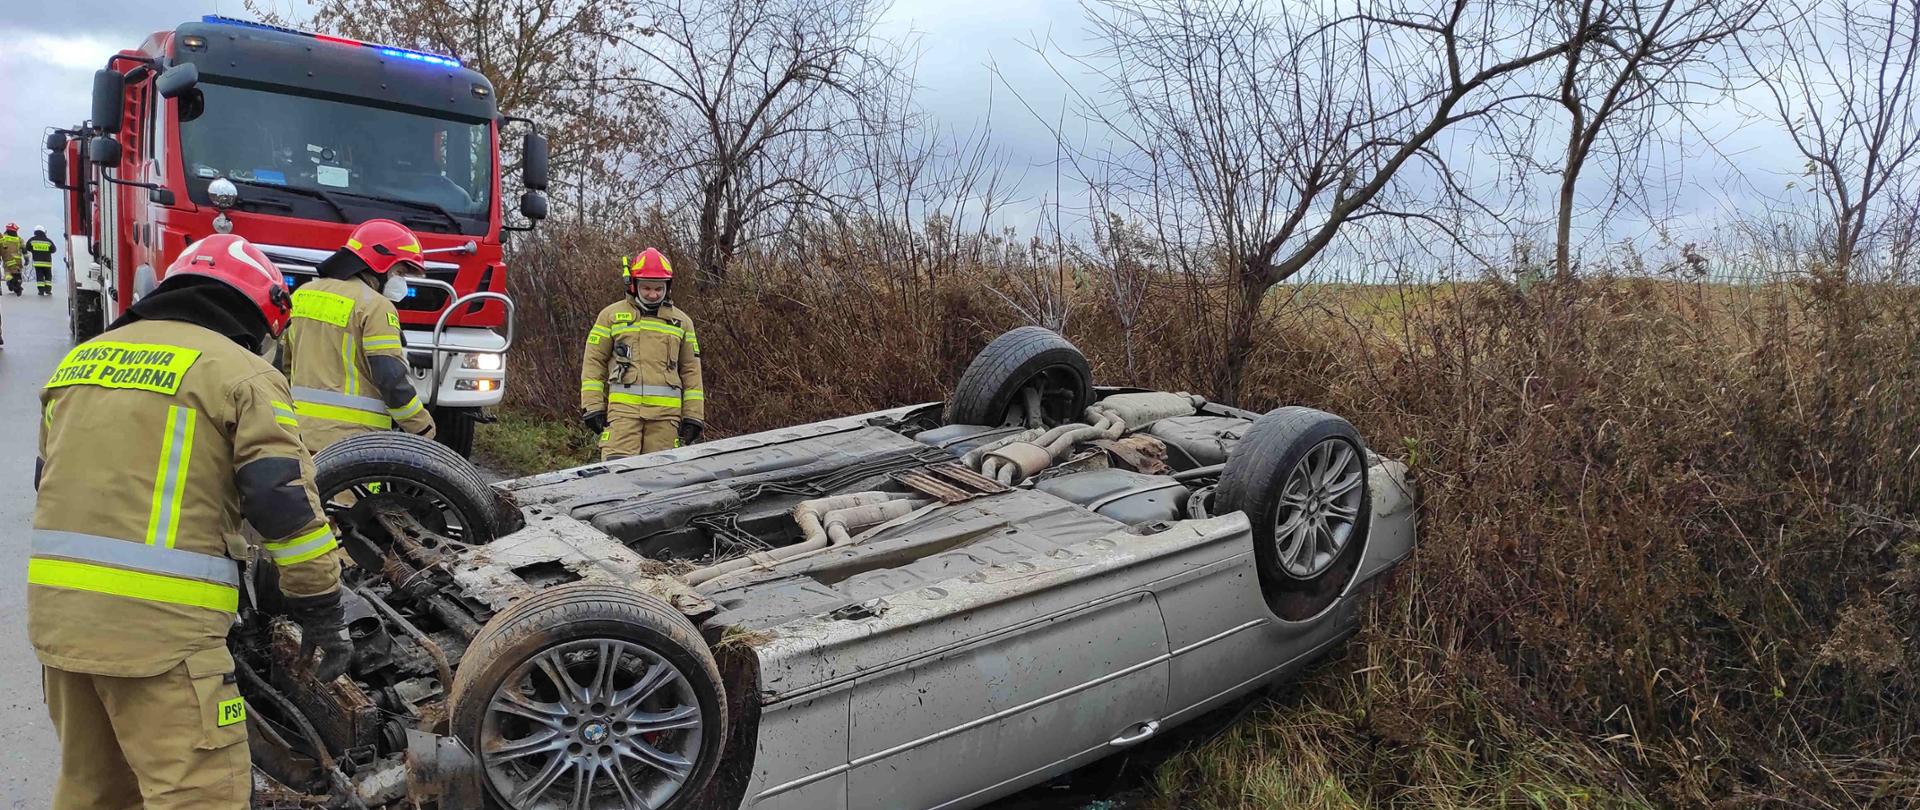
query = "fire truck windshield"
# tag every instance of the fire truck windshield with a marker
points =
(434, 174)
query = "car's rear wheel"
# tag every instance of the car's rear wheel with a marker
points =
(437, 487)
(1028, 367)
(1300, 475)
(591, 696)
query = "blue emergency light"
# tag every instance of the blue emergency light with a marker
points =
(385, 50)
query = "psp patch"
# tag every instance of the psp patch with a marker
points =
(232, 711)
(154, 367)
(393, 320)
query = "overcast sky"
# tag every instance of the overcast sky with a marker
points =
(48, 58)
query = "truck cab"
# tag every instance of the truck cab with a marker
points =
(292, 139)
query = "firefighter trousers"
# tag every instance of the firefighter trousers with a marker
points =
(632, 436)
(174, 741)
(43, 278)
(13, 281)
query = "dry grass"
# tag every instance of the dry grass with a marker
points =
(1670, 547)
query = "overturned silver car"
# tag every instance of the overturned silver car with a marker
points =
(930, 606)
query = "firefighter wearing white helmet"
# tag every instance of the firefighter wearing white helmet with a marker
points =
(40, 250)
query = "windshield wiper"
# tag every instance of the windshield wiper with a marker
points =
(304, 192)
(418, 205)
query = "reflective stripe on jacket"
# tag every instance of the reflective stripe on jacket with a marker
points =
(40, 251)
(641, 365)
(12, 248)
(347, 362)
(156, 440)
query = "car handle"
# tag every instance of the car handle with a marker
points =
(1138, 733)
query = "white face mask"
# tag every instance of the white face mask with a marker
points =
(395, 289)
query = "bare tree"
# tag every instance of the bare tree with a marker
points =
(1632, 69)
(754, 91)
(1259, 131)
(1841, 78)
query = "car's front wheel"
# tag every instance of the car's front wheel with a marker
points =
(441, 490)
(591, 696)
(1300, 475)
(1023, 370)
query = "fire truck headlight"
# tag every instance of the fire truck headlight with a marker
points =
(482, 362)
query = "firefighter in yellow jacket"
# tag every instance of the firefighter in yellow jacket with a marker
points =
(157, 439)
(640, 378)
(343, 350)
(13, 251)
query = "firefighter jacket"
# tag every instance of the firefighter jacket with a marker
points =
(12, 248)
(642, 366)
(156, 439)
(40, 250)
(347, 365)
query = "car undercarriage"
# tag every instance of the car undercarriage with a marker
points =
(672, 630)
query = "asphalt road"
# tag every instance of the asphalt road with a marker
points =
(36, 333)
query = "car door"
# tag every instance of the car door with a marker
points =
(962, 726)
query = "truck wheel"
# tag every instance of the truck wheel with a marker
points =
(453, 427)
(589, 695)
(435, 485)
(83, 315)
(1029, 357)
(1300, 475)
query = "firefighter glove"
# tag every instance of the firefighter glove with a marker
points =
(322, 627)
(690, 430)
(596, 421)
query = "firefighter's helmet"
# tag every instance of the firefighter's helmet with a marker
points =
(383, 243)
(650, 265)
(12, 227)
(232, 260)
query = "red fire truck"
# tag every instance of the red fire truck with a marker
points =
(292, 138)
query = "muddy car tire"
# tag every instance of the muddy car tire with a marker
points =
(1029, 356)
(442, 490)
(1300, 475)
(508, 707)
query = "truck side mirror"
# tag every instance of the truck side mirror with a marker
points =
(103, 150)
(177, 80)
(109, 92)
(56, 141)
(57, 168)
(533, 166)
(533, 205)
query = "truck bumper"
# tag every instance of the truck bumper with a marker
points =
(475, 374)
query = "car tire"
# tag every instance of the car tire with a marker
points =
(1306, 469)
(453, 427)
(1017, 359)
(569, 630)
(438, 487)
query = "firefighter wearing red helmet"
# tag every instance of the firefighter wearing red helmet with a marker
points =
(640, 378)
(343, 351)
(13, 252)
(157, 440)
